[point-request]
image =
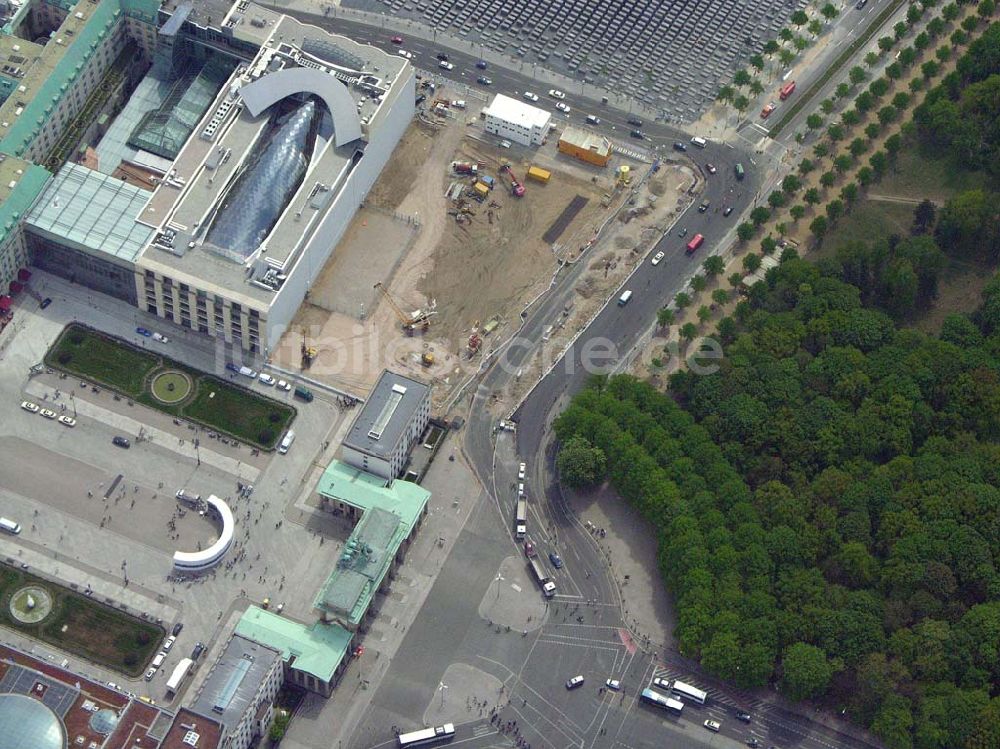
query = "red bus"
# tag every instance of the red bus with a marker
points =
(695, 243)
(786, 90)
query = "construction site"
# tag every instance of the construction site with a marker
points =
(456, 238)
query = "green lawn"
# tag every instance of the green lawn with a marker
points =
(921, 175)
(88, 354)
(247, 416)
(84, 627)
(868, 221)
(233, 410)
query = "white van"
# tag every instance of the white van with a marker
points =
(699, 141)
(624, 298)
(286, 442)
(9, 526)
(158, 660)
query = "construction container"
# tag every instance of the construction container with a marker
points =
(586, 146)
(487, 180)
(538, 174)
(481, 190)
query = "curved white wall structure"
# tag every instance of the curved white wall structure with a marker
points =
(186, 561)
(274, 87)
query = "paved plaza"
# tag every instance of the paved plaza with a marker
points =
(668, 55)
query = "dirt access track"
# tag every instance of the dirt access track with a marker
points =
(469, 273)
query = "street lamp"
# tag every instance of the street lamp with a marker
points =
(498, 579)
(441, 688)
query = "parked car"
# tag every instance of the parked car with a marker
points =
(576, 681)
(634, 121)
(505, 144)
(198, 650)
(563, 107)
(29, 406)
(657, 258)
(484, 81)
(143, 332)
(282, 385)
(150, 674)
(169, 643)
(68, 421)
(47, 413)
(710, 168)
(713, 725)
(121, 442)
(556, 93)
(556, 560)
(177, 629)
(266, 379)
(45, 303)
(446, 65)
(161, 338)
(530, 96)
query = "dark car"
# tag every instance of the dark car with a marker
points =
(678, 146)
(121, 442)
(861, 4)
(634, 121)
(745, 717)
(421, 99)
(198, 650)
(483, 80)
(637, 134)
(556, 560)
(703, 207)
(682, 233)
(727, 210)
(442, 57)
(143, 332)
(45, 302)
(481, 64)
(177, 629)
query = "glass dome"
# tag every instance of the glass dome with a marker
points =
(104, 721)
(25, 723)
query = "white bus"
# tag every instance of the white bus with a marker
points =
(688, 692)
(9, 526)
(521, 525)
(548, 587)
(427, 735)
(653, 697)
(180, 673)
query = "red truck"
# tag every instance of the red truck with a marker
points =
(464, 167)
(787, 90)
(694, 244)
(516, 188)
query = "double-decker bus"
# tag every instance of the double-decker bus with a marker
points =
(652, 697)
(695, 243)
(427, 735)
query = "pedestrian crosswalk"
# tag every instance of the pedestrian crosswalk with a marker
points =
(733, 698)
(632, 153)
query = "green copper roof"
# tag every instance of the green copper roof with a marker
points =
(316, 650)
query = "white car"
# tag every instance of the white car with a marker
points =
(458, 104)
(713, 725)
(520, 471)
(576, 681)
(266, 379)
(404, 53)
(169, 643)
(29, 406)
(556, 93)
(563, 107)
(161, 338)
(657, 258)
(150, 674)
(530, 96)
(445, 65)
(613, 684)
(67, 421)
(282, 385)
(47, 413)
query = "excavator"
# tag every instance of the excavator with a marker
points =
(418, 319)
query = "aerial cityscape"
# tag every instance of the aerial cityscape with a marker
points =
(530, 375)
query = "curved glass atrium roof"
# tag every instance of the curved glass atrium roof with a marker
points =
(25, 723)
(254, 203)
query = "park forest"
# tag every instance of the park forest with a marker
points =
(828, 502)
